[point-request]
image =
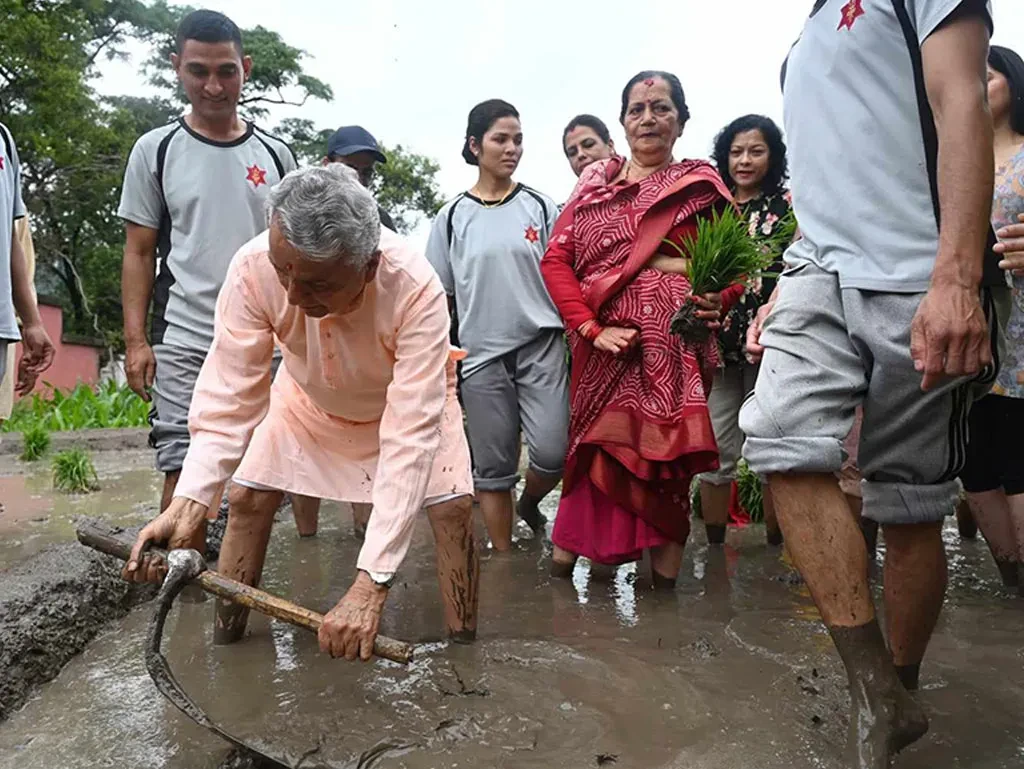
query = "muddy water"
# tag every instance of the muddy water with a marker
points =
(35, 516)
(733, 671)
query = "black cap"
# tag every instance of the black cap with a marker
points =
(348, 140)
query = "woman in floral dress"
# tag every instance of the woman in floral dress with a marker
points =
(751, 158)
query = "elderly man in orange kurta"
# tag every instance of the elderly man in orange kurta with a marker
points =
(363, 408)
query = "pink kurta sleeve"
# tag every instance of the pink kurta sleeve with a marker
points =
(232, 392)
(410, 428)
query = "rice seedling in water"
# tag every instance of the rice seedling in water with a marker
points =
(722, 253)
(35, 442)
(73, 472)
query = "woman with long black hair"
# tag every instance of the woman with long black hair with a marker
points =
(486, 246)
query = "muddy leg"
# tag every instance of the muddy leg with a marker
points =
(562, 563)
(1017, 517)
(772, 532)
(828, 548)
(361, 518)
(496, 507)
(915, 584)
(307, 514)
(537, 487)
(458, 566)
(965, 522)
(250, 518)
(991, 511)
(714, 507)
(666, 561)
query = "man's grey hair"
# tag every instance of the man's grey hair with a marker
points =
(326, 215)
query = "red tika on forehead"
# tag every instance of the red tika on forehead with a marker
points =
(649, 82)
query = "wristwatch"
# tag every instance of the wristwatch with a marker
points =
(381, 578)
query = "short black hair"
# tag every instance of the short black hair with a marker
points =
(675, 88)
(778, 165)
(588, 121)
(208, 27)
(481, 118)
(1009, 64)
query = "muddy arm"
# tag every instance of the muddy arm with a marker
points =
(118, 543)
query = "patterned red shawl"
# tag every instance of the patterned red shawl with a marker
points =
(639, 425)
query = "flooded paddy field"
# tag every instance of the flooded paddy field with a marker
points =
(731, 671)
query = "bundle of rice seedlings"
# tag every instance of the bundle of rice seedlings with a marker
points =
(721, 254)
(74, 473)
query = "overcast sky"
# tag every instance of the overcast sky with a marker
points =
(409, 71)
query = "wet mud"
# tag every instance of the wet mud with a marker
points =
(732, 670)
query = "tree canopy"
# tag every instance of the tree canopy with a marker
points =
(73, 142)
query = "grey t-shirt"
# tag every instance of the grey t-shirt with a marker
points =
(862, 170)
(488, 259)
(11, 208)
(206, 198)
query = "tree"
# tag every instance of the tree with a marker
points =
(406, 186)
(73, 144)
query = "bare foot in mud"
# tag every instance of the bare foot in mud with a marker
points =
(882, 726)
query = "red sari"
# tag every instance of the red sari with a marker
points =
(639, 428)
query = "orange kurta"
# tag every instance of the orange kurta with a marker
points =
(363, 408)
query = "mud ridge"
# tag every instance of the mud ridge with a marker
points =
(51, 606)
(105, 439)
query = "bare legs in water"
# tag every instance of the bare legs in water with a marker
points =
(244, 550)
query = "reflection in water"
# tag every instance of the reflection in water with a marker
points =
(624, 590)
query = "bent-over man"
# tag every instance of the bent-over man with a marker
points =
(363, 408)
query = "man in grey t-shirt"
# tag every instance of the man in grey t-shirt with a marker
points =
(17, 299)
(193, 194)
(882, 304)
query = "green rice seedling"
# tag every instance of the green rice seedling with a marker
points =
(74, 473)
(721, 254)
(751, 492)
(35, 442)
(84, 407)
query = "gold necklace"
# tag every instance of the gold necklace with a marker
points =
(504, 197)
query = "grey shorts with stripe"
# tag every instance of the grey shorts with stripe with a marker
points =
(527, 389)
(177, 369)
(828, 350)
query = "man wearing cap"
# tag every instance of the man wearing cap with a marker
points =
(355, 147)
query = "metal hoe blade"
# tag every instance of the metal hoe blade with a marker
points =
(183, 566)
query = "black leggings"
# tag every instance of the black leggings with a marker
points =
(995, 454)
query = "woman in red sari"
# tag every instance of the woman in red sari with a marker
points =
(639, 426)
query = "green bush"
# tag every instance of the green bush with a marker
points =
(35, 442)
(73, 472)
(84, 407)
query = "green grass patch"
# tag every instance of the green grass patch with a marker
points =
(36, 440)
(83, 408)
(74, 473)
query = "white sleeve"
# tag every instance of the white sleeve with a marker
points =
(928, 15)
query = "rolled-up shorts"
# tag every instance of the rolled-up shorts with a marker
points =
(829, 350)
(525, 390)
(301, 449)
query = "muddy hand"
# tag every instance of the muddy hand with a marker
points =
(176, 527)
(349, 629)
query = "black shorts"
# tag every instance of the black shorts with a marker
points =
(995, 454)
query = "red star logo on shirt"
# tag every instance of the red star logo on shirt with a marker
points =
(531, 234)
(256, 175)
(852, 11)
